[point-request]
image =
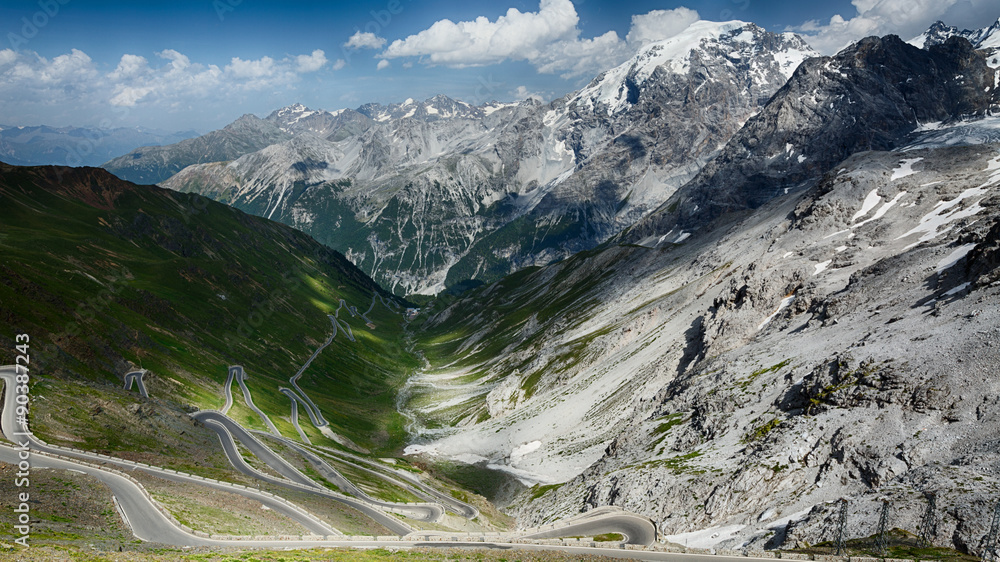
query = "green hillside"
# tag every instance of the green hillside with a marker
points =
(103, 274)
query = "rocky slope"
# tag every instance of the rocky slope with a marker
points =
(837, 342)
(867, 97)
(152, 164)
(423, 195)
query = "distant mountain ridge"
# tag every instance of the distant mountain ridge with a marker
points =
(424, 195)
(76, 146)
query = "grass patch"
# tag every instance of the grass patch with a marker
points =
(760, 432)
(538, 490)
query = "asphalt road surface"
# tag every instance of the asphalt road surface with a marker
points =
(149, 524)
(137, 377)
(227, 430)
(425, 512)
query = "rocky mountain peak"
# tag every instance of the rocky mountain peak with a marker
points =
(867, 97)
(986, 39)
(735, 43)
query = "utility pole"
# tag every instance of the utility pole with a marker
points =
(928, 525)
(841, 526)
(990, 550)
(882, 534)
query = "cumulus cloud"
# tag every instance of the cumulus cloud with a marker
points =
(310, 63)
(251, 69)
(31, 84)
(906, 18)
(515, 36)
(660, 24)
(130, 66)
(523, 93)
(549, 39)
(382, 65)
(365, 40)
(7, 56)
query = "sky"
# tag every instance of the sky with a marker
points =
(200, 64)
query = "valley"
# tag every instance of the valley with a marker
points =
(729, 298)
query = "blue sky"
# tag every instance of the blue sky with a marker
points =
(199, 64)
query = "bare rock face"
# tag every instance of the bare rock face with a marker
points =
(867, 97)
(428, 194)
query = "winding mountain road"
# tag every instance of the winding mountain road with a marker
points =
(136, 376)
(422, 511)
(296, 400)
(229, 431)
(148, 523)
(241, 379)
(227, 390)
(411, 483)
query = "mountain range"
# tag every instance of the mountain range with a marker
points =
(725, 285)
(425, 195)
(76, 146)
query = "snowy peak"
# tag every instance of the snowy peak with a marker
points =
(939, 32)
(298, 119)
(433, 109)
(760, 55)
(986, 39)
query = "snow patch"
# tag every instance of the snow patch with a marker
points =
(957, 290)
(784, 304)
(869, 203)
(905, 169)
(821, 267)
(954, 257)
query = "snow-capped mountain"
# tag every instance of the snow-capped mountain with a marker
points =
(870, 96)
(432, 193)
(938, 33)
(437, 107)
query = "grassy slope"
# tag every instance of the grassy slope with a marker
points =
(102, 273)
(499, 317)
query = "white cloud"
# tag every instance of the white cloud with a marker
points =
(338, 64)
(382, 64)
(660, 24)
(251, 69)
(128, 96)
(365, 40)
(7, 56)
(310, 63)
(906, 18)
(130, 66)
(178, 62)
(522, 93)
(583, 57)
(549, 39)
(514, 36)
